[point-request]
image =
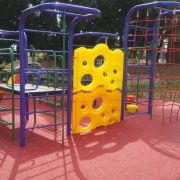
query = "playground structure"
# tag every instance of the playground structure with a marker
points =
(148, 28)
(152, 68)
(98, 99)
(76, 14)
(7, 78)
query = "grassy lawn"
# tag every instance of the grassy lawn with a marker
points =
(166, 83)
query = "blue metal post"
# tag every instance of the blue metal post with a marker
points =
(125, 65)
(81, 13)
(155, 5)
(22, 88)
(153, 61)
(26, 78)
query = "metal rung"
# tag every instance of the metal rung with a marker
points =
(138, 113)
(139, 65)
(49, 114)
(5, 122)
(48, 102)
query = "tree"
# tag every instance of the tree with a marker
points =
(112, 18)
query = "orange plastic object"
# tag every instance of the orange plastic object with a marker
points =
(131, 98)
(16, 79)
(95, 67)
(94, 109)
(2, 93)
(132, 108)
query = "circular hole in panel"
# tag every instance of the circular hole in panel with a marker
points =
(83, 106)
(99, 61)
(103, 115)
(110, 121)
(113, 110)
(112, 81)
(97, 103)
(84, 63)
(104, 74)
(86, 79)
(115, 71)
(85, 122)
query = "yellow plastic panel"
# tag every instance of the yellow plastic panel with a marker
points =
(87, 63)
(106, 111)
(16, 79)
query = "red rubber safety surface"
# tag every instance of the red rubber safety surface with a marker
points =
(138, 148)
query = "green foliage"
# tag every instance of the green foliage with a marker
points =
(112, 18)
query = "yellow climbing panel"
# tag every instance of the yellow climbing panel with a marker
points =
(94, 109)
(95, 67)
(97, 84)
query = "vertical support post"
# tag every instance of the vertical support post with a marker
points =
(63, 75)
(34, 99)
(26, 80)
(153, 61)
(69, 96)
(55, 86)
(12, 93)
(125, 66)
(22, 85)
(70, 55)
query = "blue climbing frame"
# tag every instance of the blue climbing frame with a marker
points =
(77, 13)
(144, 26)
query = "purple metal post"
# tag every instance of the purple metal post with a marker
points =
(26, 65)
(80, 13)
(70, 55)
(154, 5)
(22, 83)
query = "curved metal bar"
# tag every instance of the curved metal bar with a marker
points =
(150, 5)
(100, 35)
(42, 31)
(70, 59)
(8, 33)
(94, 34)
(70, 54)
(61, 12)
(106, 38)
(58, 6)
(170, 12)
(6, 39)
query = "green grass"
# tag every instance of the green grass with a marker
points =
(166, 81)
(168, 90)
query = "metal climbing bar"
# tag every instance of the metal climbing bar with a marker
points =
(151, 48)
(45, 32)
(61, 74)
(12, 109)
